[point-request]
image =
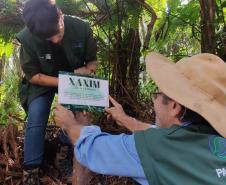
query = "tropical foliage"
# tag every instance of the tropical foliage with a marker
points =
(125, 30)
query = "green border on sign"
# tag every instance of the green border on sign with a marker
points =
(81, 108)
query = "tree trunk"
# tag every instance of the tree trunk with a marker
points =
(81, 175)
(208, 10)
(126, 64)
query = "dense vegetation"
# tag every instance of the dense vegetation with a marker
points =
(126, 30)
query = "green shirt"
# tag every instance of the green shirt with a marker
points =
(41, 56)
(193, 155)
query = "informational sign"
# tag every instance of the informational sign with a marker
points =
(78, 93)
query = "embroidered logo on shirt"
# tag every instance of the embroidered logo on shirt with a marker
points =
(77, 45)
(48, 56)
(221, 172)
(217, 146)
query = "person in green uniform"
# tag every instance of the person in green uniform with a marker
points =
(50, 42)
(187, 147)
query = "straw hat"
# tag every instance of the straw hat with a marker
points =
(197, 82)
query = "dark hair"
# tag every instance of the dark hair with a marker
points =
(41, 17)
(194, 117)
(186, 114)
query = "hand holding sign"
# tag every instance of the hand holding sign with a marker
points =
(90, 68)
(116, 112)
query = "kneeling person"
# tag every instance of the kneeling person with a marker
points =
(188, 147)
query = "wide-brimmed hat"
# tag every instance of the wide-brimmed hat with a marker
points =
(197, 82)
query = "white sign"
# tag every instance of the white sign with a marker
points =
(80, 92)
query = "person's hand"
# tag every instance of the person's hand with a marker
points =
(90, 68)
(64, 118)
(116, 112)
(82, 70)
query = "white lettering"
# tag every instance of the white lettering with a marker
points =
(221, 172)
(224, 171)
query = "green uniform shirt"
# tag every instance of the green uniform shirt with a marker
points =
(41, 56)
(193, 155)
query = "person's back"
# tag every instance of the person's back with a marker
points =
(188, 145)
(181, 155)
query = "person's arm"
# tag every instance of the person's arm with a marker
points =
(121, 118)
(44, 80)
(91, 145)
(66, 120)
(90, 150)
(133, 124)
